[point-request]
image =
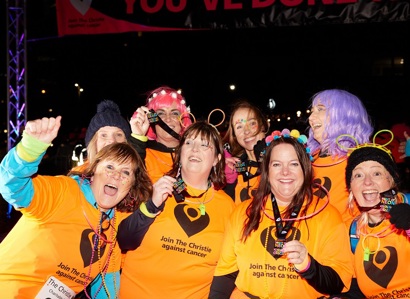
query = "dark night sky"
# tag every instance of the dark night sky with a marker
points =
(288, 64)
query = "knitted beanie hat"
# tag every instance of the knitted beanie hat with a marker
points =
(370, 153)
(108, 114)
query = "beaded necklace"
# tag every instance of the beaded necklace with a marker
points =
(284, 281)
(99, 240)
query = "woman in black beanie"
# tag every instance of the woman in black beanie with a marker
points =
(107, 126)
(382, 230)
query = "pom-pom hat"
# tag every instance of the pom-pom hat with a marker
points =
(371, 153)
(108, 114)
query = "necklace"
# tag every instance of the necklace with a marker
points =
(202, 203)
(366, 240)
(302, 217)
(99, 243)
(284, 281)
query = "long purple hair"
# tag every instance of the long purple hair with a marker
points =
(345, 114)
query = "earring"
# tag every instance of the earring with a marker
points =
(215, 169)
(179, 169)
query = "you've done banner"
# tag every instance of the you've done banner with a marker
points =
(118, 16)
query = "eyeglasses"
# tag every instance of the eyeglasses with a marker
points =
(123, 175)
(203, 145)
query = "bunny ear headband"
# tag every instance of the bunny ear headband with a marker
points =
(382, 147)
(370, 152)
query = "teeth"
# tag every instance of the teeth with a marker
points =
(111, 186)
(371, 195)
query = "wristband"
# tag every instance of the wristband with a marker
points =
(30, 149)
(144, 210)
(140, 137)
(304, 265)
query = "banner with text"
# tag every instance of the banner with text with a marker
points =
(114, 16)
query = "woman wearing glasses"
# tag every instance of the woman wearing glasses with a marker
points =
(157, 128)
(178, 255)
(66, 235)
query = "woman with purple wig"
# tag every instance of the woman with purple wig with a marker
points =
(334, 113)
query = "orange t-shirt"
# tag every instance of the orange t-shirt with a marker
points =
(330, 174)
(158, 163)
(386, 272)
(54, 237)
(245, 189)
(180, 250)
(265, 275)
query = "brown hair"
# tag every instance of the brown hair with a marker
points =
(210, 133)
(141, 188)
(264, 189)
(230, 138)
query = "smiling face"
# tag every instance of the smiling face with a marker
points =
(369, 178)
(246, 129)
(197, 160)
(171, 116)
(111, 183)
(285, 173)
(317, 121)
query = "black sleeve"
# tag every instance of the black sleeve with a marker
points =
(132, 229)
(223, 286)
(353, 293)
(139, 146)
(230, 189)
(323, 279)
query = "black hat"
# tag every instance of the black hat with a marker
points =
(371, 153)
(108, 114)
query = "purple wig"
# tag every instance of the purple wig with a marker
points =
(345, 114)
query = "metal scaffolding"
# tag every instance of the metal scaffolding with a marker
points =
(16, 72)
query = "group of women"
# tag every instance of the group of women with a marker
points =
(152, 201)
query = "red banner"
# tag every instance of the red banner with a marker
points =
(114, 16)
